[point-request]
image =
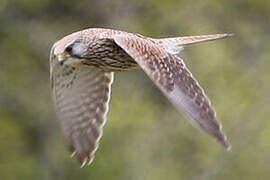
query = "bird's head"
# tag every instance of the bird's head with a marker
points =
(70, 49)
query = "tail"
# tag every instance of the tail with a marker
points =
(175, 45)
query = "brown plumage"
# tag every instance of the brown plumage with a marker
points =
(82, 66)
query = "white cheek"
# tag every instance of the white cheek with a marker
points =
(79, 49)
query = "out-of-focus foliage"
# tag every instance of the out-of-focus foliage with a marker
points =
(144, 138)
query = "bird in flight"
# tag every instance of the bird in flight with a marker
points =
(82, 66)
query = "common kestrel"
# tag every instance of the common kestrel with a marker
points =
(82, 65)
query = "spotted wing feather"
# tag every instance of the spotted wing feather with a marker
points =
(170, 74)
(81, 95)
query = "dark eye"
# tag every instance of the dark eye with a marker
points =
(68, 49)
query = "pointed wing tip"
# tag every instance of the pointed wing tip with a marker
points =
(229, 148)
(86, 161)
(224, 142)
(226, 35)
(226, 145)
(229, 35)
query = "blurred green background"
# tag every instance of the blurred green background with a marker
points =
(145, 137)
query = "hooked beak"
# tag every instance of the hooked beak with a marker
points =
(61, 58)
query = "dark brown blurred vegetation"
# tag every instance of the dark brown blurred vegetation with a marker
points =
(144, 138)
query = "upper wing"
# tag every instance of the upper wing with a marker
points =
(176, 82)
(82, 95)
